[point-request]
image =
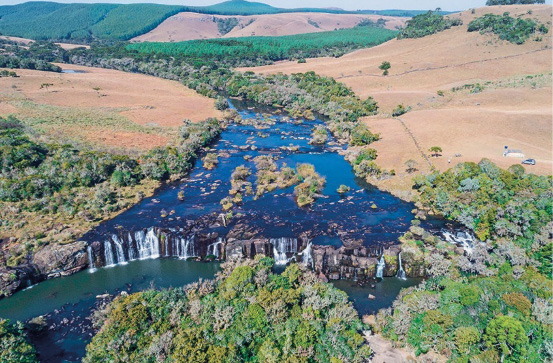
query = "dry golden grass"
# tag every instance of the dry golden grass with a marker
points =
(189, 26)
(104, 107)
(512, 110)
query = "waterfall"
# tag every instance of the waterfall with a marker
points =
(460, 238)
(132, 249)
(120, 252)
(108, 253)
(91, 265)
(214, 249)
(184, 247)
(307, 255)
(282, 247)
(380, 267)
(400, 271)
(147, 244)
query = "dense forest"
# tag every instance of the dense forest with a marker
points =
(431, 22)
(81, 22)
(249, 51)
(495, 303)
(514, 30)
(247, 314)
(14, 346)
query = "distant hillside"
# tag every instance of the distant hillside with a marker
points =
(48, 20)
(83, 22)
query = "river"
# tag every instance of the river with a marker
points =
(134, 243)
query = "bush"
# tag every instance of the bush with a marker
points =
(514, 30)
(385, 66)
(465, 337)
(426, 24)
(400, 110)
(13, 344)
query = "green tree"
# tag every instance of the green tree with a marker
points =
(385, 66)
(436, 151)
(507, 335)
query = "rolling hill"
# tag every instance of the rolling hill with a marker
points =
(189, 26)
(493, 93)
(43, 20)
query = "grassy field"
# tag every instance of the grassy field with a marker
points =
(102, 108)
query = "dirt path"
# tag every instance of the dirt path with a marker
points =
(385, 353)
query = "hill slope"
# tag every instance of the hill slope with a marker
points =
(513, 109)
(189, 26)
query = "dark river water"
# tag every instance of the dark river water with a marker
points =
(367, 215)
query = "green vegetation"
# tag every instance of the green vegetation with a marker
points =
(269, 177)
(38, 56)
(343, 189)
(248, 314)
(225, 25)
(436, 151)
(492, 202)
(385, 66)
(514, 30)
(495, 303)
(13, 344)
(264, 50)
(82, 22)
(429, 23)
(513, 2)
(400, 110)
(210, 161)
(311, 185)
(319, 136)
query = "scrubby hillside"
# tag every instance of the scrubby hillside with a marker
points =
(470, 93)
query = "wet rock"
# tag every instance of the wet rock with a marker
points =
(372, 297)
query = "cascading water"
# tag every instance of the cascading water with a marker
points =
(184, 247)
(214, 249)
(92, 266)
(144, 244)
(460, 238)
(120, 252)
(400, 271)
(282, 247)
(108, 254)
(380, 267)
(307, 255)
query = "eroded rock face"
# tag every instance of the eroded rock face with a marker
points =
(360, 263)
(12, 280)
(60, 260)
(50, 261)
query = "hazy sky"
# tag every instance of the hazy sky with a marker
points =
(345, 4)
